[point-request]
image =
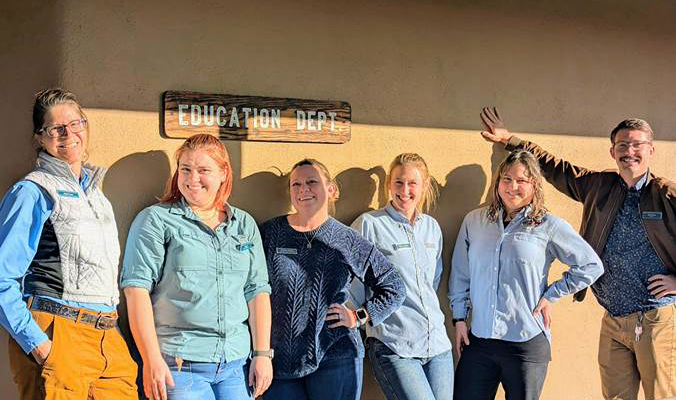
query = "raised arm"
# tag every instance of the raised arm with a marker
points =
(569, 179)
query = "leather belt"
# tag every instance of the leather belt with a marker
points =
(99, 320)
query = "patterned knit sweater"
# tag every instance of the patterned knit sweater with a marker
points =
(309, 271)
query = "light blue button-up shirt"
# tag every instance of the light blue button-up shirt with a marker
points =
(417, 328)
(199, 280)
(502, 272)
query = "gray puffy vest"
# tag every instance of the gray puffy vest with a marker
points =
(86, 236)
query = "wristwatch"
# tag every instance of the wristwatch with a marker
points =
(362, 316)
(263, 353)
(456, 320)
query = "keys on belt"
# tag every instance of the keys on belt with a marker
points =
(96, 319)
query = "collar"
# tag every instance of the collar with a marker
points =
(182, 207)
(642, 182)
(90, 176)
(398, 216)
(520, 215)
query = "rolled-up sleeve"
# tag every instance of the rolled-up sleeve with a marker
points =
(144, 252)
(257, 280)
(570, 248)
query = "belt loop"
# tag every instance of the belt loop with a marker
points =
(80, 314)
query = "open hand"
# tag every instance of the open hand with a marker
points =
(156, 377)
(495, 127)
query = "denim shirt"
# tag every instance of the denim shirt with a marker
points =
(502, 272)
(199, 280)
(417, 328)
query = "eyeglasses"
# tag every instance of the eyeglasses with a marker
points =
(59, 130)
(624, 146)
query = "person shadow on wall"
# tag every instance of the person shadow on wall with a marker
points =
(357, 187)
(461, 193)
(131, 184)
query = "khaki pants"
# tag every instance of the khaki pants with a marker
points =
(84, 363)
(651, 361)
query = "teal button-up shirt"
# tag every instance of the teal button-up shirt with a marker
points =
(199, 279)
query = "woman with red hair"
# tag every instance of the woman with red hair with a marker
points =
(196, 282)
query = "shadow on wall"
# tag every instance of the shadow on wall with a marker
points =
(357, 188)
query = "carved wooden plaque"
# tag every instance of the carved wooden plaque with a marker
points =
(256, 118)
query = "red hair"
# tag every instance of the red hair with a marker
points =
(217, 151)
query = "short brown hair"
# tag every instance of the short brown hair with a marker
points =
(217, 151)
(537, 205)
(632, 124)
(431, 192)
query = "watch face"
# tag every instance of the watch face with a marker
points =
(361, 314)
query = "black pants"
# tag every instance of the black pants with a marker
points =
(520, 368)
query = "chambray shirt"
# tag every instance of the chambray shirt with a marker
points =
(417, 328)
(23, 213)
(502, 272)
(199, 280)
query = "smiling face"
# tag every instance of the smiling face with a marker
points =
(516, 189)
(632, 150)
(199, 178)
(406, 188)
(70, 147)
(309, 190)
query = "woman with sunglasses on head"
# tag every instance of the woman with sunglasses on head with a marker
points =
(58, 235)
(409, 351)
(197, 287)
(500, 268)
(312, 258)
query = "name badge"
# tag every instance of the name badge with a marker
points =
(398, 246)
(286, 250)
(66, 193)
(244, 246)
(651, 215)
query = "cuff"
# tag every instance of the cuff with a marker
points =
(513, 143)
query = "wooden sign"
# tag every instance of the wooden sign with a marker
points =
(256, 118)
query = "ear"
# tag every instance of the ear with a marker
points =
(612, 151)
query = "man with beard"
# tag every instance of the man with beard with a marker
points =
(629, 218)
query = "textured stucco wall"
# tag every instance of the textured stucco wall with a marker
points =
(416, 75)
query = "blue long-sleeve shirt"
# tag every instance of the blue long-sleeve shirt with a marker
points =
(417, 328)
(502, 272)
(23, 213)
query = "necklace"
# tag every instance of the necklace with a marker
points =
(314, 235)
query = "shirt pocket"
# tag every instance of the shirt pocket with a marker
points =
(241, 253)
(529, 248)
(190, 250)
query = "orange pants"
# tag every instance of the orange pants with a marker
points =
(84, 363)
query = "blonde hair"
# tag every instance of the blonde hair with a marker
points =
(537, 205)
(431, 192)
(327, 176)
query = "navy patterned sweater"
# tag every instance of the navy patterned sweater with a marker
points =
(305, 281)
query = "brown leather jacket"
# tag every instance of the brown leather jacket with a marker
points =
(602, 194)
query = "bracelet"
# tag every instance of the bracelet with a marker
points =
(455, 320)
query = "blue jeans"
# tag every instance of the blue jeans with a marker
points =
(334, 380)
(403, 378)
(209, 380)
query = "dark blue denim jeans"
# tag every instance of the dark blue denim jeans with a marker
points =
(334, 380)
(406, 378)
